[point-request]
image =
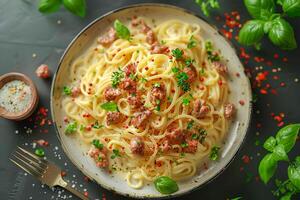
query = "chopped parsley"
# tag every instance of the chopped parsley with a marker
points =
(67, 90)
(192, 43)
(121, 30)
(163, 42)
(97, 144)
(184, 145)
(186, 101)
(190, 125)
(189, 62)
(133, 77)
(170, 99)
(175, 69)
(177, 53)
(110, 106)
(143, 80)
(71, 128)
(116, 77)
(182, 82)
(82, 127)
(116, 153)
(214, 153)
(97, 125)
(182, 154)
(100, 158)
(39, 152)
(211, 54)
(157, 105)
(157, 85)
(202, 72)
(200, 136)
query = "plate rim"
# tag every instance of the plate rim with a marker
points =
(71, 43)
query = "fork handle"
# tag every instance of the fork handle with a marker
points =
(68, 187)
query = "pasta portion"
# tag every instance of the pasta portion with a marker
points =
(151, 100)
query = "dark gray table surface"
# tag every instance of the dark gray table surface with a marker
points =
(28, 39)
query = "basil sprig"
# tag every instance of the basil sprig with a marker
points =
(165, 185)
(278, 147)
(266, 21)
(122, 31)
(77, 7)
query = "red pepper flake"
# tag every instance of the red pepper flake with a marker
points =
(226, 33)
(263, 91)
(276, 56)
(86, 179)
(285, 59)
(237, 74)
(63, 173)
(86, 194)
(278, 118)
(258, 125)
(275, 77)
(246, 159)
(280, 124)
(261, 76)
(282, 84)
(201, 79)
(242, 102)
(42, 123)
(146, 68)
(103, 196)
(43, 111)
(269, 63)
(42, 142)
(241, 169)
(258, 59)
(220, 82)
(243, 54)
(273, 91)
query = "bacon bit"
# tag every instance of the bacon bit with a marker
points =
(263, 91)
(63, 173)
(246, 159)
(88, 128)
(43, 71)
(42, 142)
(276, 56)
(242, 102)
(285, 59)
(280, 124)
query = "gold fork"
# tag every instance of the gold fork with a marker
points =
(45, 171)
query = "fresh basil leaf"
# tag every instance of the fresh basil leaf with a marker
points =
(267, 167)
(77, 7)
(165, 185)
(122, 31)
(252, 32)
(49, 6)
(282, 34)
(267, 26)
(236, 198)
(294, 173)
(270, 144)
(110, 106)
(291, 8)
(280, 2)
(260, 9)
(287, 196)
(71, 128)
(287, 136)
(279, 153)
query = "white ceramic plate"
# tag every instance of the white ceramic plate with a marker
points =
(240, 90)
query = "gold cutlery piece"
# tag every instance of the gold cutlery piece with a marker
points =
(47, 172)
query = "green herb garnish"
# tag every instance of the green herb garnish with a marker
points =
(207, 5)
(214, 153)
(165, 185)
(71, 128)
(96, 125)
(192, 43)
(143, 80)
(184, 145)
(67, 90)
(110, 106)
(122, 31)
(115, 154)
(175, 69)
(190, 125)
(97, 144)
(186, 101)
(116, 77)
(39, 152)
(177, 53)
(163, 42)
(182, 81)
(211, 54)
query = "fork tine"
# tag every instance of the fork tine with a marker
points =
(32, 170)
(16, 163)
(31, 161)
(36, 158)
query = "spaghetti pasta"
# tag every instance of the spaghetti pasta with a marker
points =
(151, 105)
